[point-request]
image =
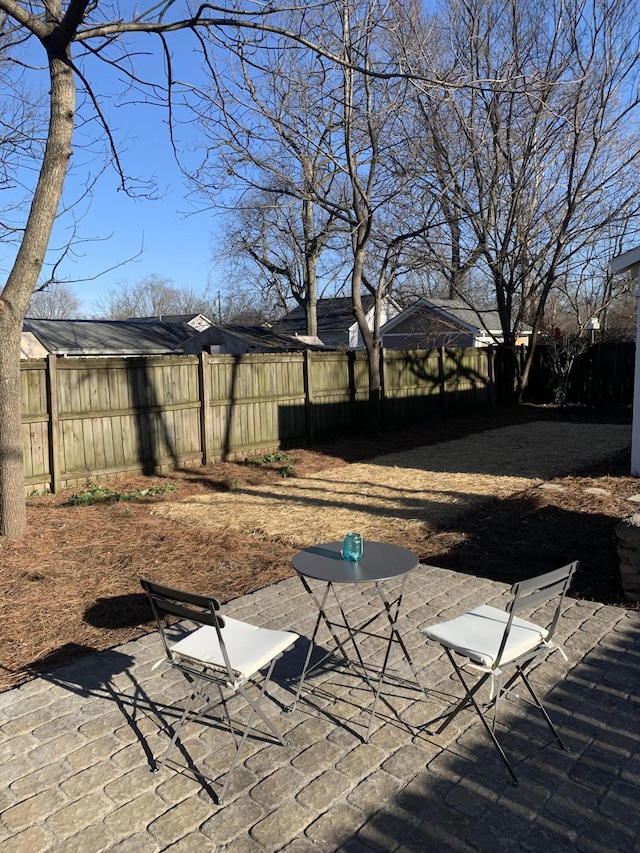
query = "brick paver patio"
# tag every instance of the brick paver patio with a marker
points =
(76, 749)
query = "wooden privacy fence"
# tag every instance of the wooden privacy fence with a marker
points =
(92, 418)
(602, 376)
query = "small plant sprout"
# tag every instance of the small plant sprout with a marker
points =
(105, 494)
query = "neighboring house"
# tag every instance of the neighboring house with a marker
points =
(434, 322)
(113, 337)
(30, 347)
(337, 325)
(233, 339)
(147, 336)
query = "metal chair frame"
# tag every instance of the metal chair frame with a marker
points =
(526, 595)
(203, 675)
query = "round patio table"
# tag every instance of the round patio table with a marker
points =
(381, 562)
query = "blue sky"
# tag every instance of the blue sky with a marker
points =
(159, 235)
(174, 242)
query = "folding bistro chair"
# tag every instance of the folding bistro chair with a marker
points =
(219, 654)
(496, 642)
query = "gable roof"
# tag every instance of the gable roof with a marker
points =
(334, 315)
(260, 338)
(453, 318)
(197, 321)
(109, 337)
(482, 320)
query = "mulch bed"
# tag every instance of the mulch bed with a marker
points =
(72, 586)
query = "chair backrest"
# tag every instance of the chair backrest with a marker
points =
(529, 594)
(200, 609)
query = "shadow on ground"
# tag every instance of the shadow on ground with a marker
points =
(498, 539)
(585, 799)
(119, 611)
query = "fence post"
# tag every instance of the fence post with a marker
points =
(442, 382)
(383, 386)
(204, 393)
(54, 424)
(308, 403)
(491, 374)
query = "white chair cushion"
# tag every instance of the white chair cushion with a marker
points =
(478, 634)
(249, 648)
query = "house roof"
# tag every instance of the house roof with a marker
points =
(147, 336)
(165, 318)
(261, 338)
(626, 262)
(196, 321)
(484, 320)
(109, 337)
(481, 320)
(334, 315)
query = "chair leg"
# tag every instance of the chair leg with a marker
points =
(470, 699)
(254, 705)
(176, 731)
(467, 699)
(543, 710)
(255, 709)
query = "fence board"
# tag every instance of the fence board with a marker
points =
(35, 425)
(603, 375)
(155, 414)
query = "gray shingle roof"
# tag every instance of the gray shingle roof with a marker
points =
(334, 315)
(259, 338)
(109, 337)
(475, 318)
(147, 336)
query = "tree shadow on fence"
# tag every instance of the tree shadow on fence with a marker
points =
(152, 433)
(448, 376)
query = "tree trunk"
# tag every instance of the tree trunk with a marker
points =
(371, 342)
(22, 280)
(13, 513)
(375, 387)
(310, 264)
(311, 300)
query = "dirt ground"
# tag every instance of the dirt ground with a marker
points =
(72, 586)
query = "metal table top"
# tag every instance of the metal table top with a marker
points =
(380, 561)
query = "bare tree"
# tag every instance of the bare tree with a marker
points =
(323, 151)
(244, 306)
(578, 313)
(152, 296)
(532, 148)
(267, 119)
(55, 302)
(69, 37)
(375, 159)
(265, 243)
